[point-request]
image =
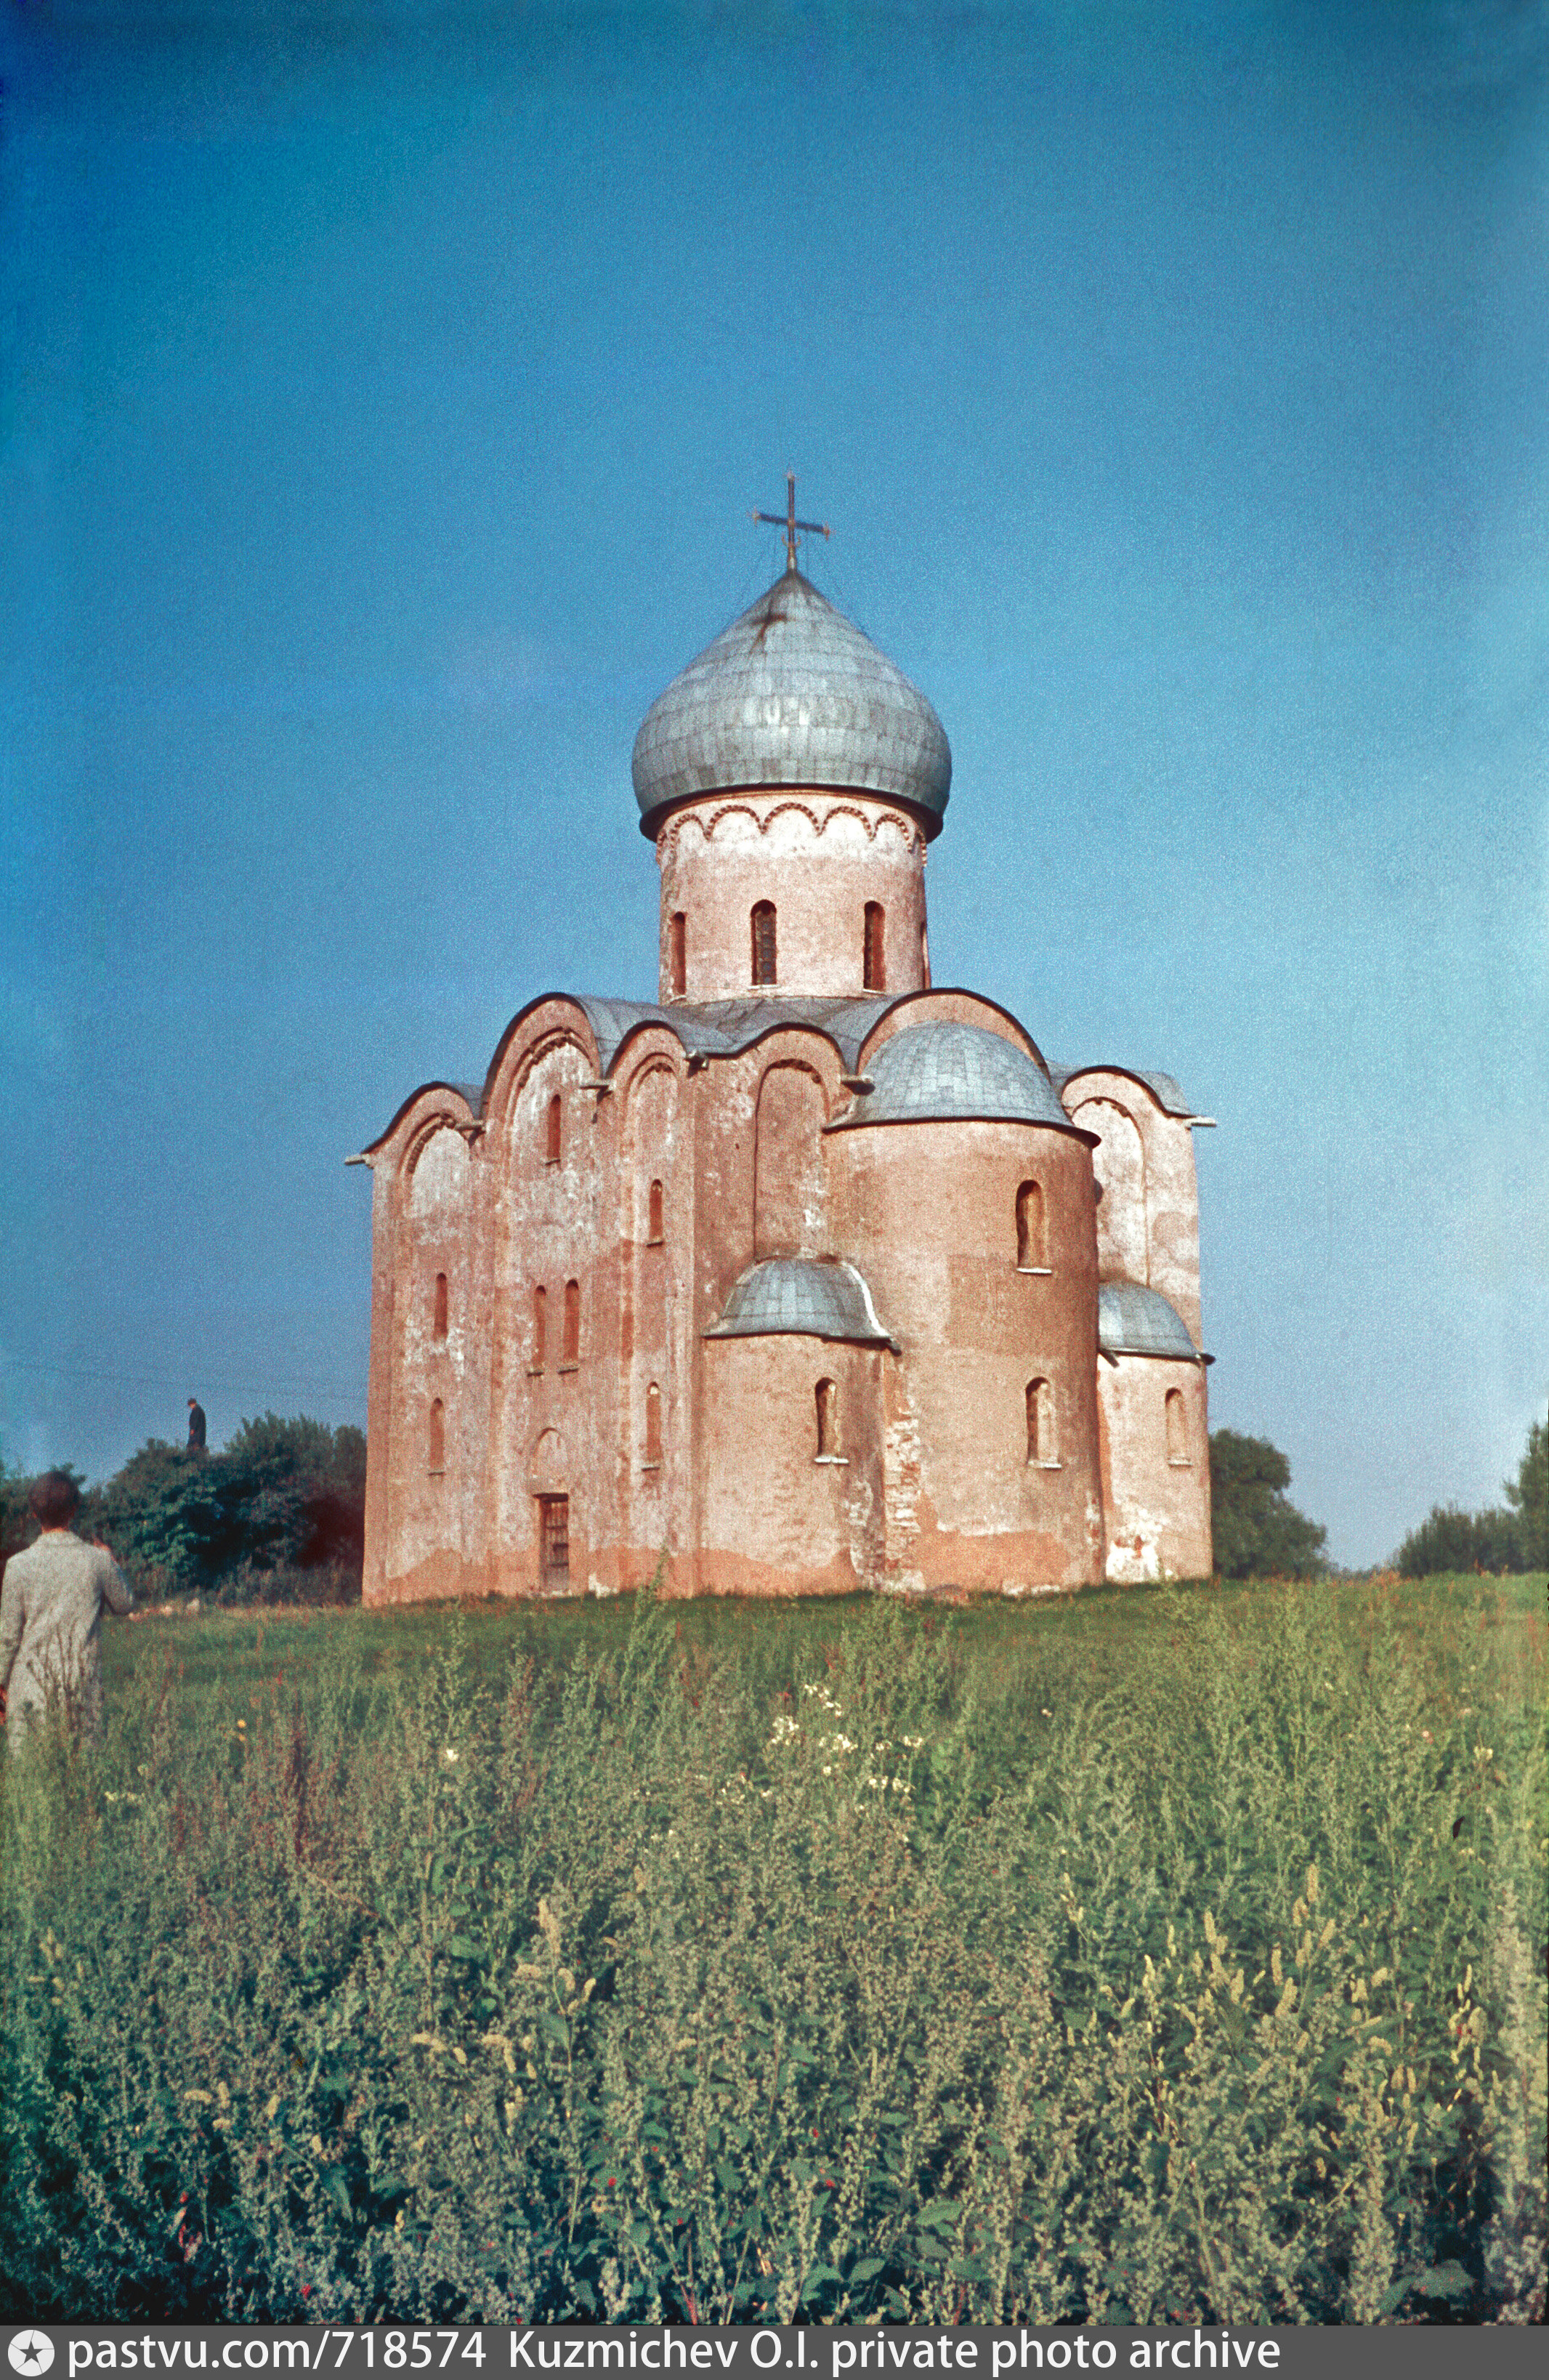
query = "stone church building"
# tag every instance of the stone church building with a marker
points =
(808, 1276)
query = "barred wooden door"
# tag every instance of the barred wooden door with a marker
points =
(553, 1536)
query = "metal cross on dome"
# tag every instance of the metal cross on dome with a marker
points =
(789, 522)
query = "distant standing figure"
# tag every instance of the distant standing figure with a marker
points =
(51, 1615)
(196, 1427)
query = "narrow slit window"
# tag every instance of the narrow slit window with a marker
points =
(875, 967)
(436, 1436)
(572, 1322)
(826, 1400)
(654, 1232)
(764, 942)
(1178, 1427)
(553, 1541)
(539, 1326)
(1042, 1444)
(677, 948)
(653, 1424)
(1031, 1240)
(552, 1144)
(438, 1323)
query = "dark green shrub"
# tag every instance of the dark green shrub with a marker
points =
(1451, 1541)
(281, 1495)
(1257, 1530)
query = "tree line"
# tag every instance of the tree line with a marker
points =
(284, 1501)
(281, 1512)
(1510, 1536)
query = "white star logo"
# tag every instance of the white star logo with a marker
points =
(30, 2351)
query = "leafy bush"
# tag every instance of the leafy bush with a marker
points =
(1176, 1959)
(281, 1495)
(1258, 1532)
(1452, 1541)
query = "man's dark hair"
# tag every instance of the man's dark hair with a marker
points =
(55, 1499)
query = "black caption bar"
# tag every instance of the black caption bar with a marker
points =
(494, 2352)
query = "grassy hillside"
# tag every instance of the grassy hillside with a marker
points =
(1154, 1955)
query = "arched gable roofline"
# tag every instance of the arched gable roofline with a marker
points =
(896, 1019)
(663, 1024)
(498, 1076)
(735, 1049)
(458, 1110)
(783, 1024)
(1131, 1075)
(1124, 1074)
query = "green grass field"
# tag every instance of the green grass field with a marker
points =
(1159, 1955)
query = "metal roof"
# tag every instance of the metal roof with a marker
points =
(807, 1296)
(1165, 1088)
(941, 1069)
(791, 694)
(1136, 1322)
(718, 1028)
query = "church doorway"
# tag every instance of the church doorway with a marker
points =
(553, 1543)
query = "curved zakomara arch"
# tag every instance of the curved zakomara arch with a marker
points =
(424, 1131)
(949, 1002)
(516, 1054)
(797, 1061)
(656, 1060)
(450, 1106)
(1125, 1073)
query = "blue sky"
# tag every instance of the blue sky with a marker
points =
(382, 396)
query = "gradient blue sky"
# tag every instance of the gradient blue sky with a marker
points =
(384, 393)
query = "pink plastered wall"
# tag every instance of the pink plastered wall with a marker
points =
(819, 858)
(1156, 1483)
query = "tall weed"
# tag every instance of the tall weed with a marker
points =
(1183, 1963)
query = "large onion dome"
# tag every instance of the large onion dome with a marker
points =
(791, 694)
(925, 1073)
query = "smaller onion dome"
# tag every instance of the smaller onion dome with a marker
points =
(806, 1295)
(791, 694)
(1136, 1322)
(941, 1069)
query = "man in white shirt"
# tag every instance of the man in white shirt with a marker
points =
(51, 1615)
